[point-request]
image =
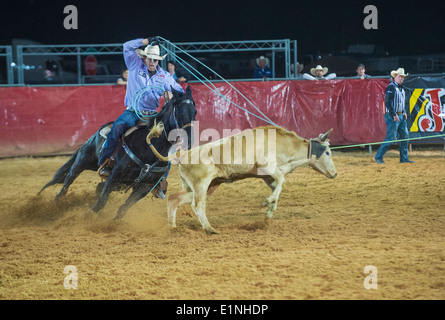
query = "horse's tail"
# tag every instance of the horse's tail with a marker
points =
(60, 175)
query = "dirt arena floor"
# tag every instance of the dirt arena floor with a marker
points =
(323, 235)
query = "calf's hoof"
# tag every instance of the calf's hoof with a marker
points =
(211, 231)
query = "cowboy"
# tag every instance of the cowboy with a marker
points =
(143, 72)
(263, 70)
(318, 74)
(395, 117)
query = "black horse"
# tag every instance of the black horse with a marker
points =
(135, 165)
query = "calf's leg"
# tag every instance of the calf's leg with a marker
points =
(174, 201)
(183, 197)
(199, 204)
(272, 200)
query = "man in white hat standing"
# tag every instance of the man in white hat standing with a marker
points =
(318, 73)
(263, 70)
(143, 71)
(395, 117)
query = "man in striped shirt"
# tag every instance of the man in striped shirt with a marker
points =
(395, 117)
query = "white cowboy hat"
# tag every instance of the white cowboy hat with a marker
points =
(150, 51)
(262, 58)
(400, 72)
(325, 70)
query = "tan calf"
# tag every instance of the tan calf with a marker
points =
(268, 153)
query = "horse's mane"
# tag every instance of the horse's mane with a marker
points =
(167, 107)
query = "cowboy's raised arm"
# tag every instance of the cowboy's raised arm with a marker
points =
(130, 56)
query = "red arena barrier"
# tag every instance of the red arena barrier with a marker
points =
(45, 120)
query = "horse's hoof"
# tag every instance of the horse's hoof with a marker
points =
(94, 209)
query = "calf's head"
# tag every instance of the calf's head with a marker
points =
(320, 156)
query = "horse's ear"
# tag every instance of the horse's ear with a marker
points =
(188, 92)
(176, 94)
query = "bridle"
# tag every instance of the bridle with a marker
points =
(173, 114)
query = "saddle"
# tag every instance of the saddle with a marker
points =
(145, 168)
(104, 133)
(106, 130)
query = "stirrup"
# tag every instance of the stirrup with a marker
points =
(104, 170)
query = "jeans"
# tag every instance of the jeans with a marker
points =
(125, 121)
(392, 128)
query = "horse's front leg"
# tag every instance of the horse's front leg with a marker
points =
(103, 197)
(139, 192)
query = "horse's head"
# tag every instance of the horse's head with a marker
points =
(184, 107)
(177, 116)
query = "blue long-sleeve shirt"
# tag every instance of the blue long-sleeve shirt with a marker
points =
(138, 78)
(260, 72)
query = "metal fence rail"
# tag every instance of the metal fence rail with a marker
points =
(6, 51)
(80, 51)
(65, 50)
(273, 46)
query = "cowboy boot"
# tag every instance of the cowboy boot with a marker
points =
(104, 170)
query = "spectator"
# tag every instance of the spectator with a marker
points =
(361, 72)
(318, 73)
(263, 70)
(171, 68)
(123, 79)
(395, 117)
(300, 68)
(51, 70)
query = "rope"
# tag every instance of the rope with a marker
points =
(156, 184)
(266, 119)
(391, 141)
(136, 102)
(182, 62)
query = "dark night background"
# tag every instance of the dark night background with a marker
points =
(404, 27)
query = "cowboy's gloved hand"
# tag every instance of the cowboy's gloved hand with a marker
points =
(154, 41)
